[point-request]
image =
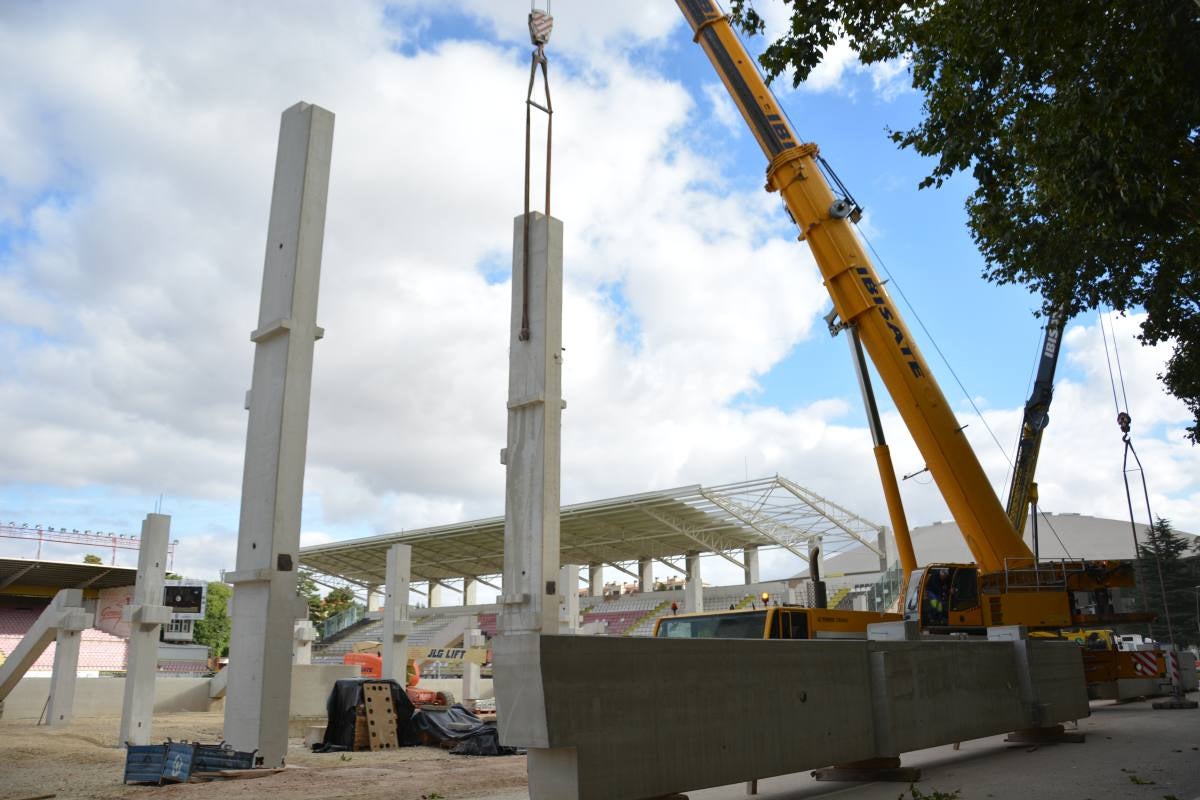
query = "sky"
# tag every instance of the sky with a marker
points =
(136, 155)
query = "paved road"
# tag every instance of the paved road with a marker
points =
(1132, 751)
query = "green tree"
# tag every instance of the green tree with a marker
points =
(92, 558)
(1177, 558)
(214, 629)
(337, 601)
(306, 587)
(1080, 122)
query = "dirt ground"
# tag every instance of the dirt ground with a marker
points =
(83, 761)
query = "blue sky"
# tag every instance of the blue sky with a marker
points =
(133, 203)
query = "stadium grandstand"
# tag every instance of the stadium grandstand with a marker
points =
(26, 588)
(631, 535)
(624, 534)
(28, 585)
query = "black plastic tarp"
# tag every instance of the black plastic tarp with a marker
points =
(342, 707)
(473, 736)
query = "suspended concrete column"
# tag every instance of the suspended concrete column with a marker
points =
(396, 625)
(265, 604)
(568, 610)
(437, 595)
(530, 602)
(750, 563)
(646, 574)
(595, 579)
(532, 455)
(470, 592)
(146, 615)
(693, 588)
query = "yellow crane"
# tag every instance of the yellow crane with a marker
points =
(1005, 585)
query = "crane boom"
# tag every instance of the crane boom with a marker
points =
(1037, 417)
(859, 297)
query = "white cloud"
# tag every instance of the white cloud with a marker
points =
(144, 181)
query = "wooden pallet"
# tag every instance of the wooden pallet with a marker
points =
(381, 716)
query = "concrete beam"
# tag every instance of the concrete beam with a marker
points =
(815, 703)
(396, 625)
(146, 615)
(265, 604)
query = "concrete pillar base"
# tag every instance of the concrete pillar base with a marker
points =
(871, 769)
(1053, 734)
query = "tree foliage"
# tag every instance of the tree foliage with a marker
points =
(1179, 559)
(214, 629)
(1080, 122)
(92, 558)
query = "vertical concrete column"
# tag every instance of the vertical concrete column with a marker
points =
(595, 579)
(265, 604)
(532, 455)
(61, 708)
(750, 562)
(437, 595)
(881, 542)
(374, 598)
(472, 685)
(146, 614)
(303, 636)
(646, 574)
(470, 592)
(693, 589)
(568, 609)
(396, 625)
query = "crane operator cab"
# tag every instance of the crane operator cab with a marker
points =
(944, 596)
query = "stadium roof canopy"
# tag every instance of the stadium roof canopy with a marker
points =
(662, 525)
(23, 572)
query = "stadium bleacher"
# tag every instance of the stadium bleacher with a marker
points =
(98, 651)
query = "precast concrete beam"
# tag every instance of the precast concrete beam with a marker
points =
(815, 702)
(146, 615)
(396, 625)
(265, 603)
(470, 594)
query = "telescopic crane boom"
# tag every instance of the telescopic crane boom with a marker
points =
(860, 298)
